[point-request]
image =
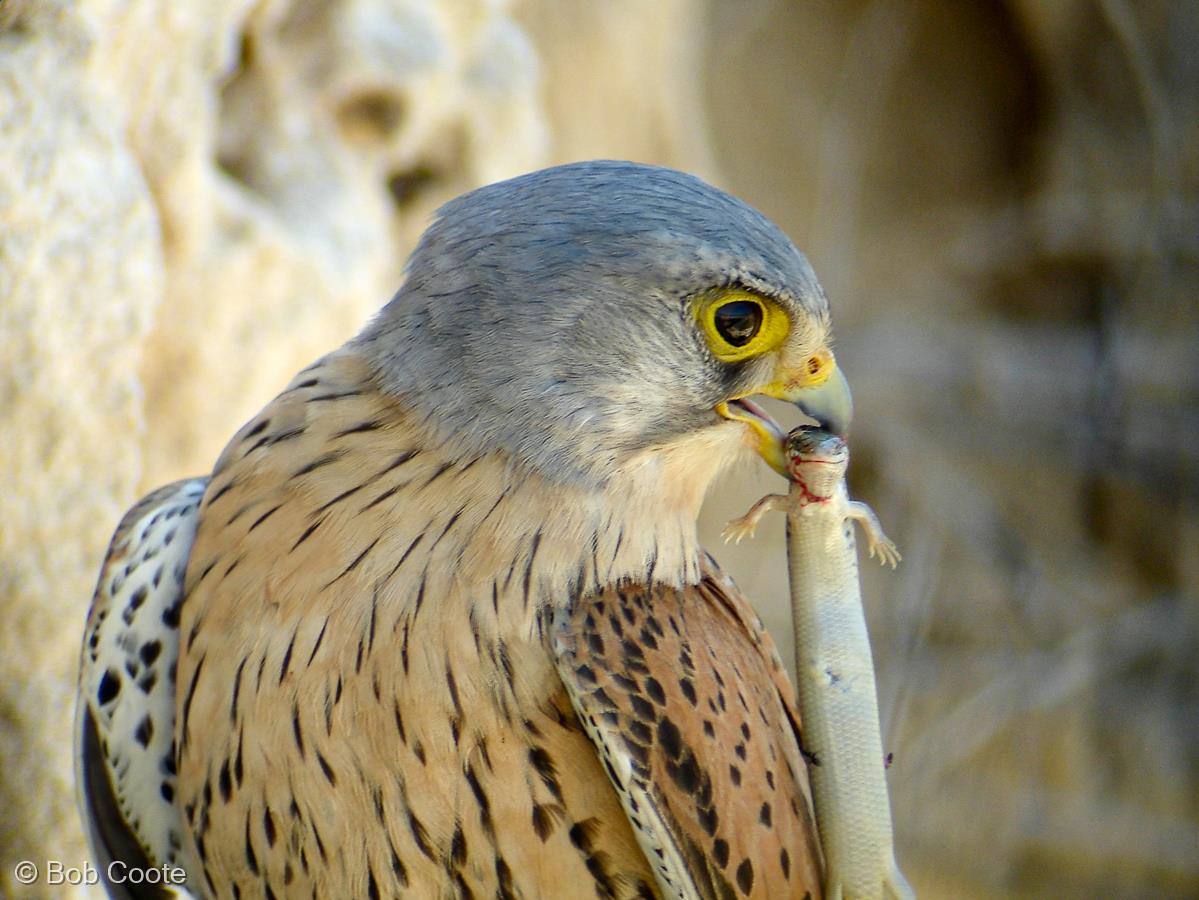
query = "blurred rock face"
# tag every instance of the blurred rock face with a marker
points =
(196, 200)
(199, 198)
(1001, 202)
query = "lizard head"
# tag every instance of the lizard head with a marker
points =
(816, 459)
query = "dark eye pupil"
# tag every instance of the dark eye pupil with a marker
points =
(739, 321)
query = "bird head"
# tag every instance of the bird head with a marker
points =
(581, 316)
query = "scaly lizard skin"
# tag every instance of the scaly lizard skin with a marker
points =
(837, 699)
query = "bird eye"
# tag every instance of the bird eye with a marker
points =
(738, 325)
(738, 322)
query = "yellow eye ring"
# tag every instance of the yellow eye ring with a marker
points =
(738, 325)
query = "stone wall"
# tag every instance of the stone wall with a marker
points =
(197, 198)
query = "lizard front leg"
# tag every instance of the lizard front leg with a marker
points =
(746, 525)
(876, 540)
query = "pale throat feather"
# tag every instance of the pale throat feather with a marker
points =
(545, 542)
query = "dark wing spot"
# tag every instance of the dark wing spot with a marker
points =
(458, 847)
(327, 769)
(360, 428)
(266, 515)
(544, 764)
(149, 652)
(642, 708)
(543, 822)
(654, 688)
(745, 876)
(287, 655)
(481, 799)
(503, 872)
(251, 858)
(257, 429)
(670, 738)
(110, 686)
(268, 826)
(420, 836)
(764, 815)
(688, 690)
(144, 731)
(686, 774)
(136, 600)
(297, 731)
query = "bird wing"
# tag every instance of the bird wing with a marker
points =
(683, 693)
(124, 746)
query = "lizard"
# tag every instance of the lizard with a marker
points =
(834, 668)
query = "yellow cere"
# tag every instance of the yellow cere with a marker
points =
(812, 372)
(770, 334)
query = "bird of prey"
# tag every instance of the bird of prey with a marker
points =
(438, 623)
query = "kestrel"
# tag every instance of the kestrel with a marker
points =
(438, 622)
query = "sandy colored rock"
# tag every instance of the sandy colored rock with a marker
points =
(81, 275)
(196, 200)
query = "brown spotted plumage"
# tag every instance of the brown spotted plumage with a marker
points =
(384, 719)
(400, 658)
(685, 696)
(445, 627)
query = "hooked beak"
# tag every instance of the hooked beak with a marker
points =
(830, 403)
(817, 387)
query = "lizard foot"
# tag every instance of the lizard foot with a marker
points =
(876, 541)
(746, 525)
(884, 548)
(739, 528)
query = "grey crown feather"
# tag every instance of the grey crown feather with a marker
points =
(548, 315)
